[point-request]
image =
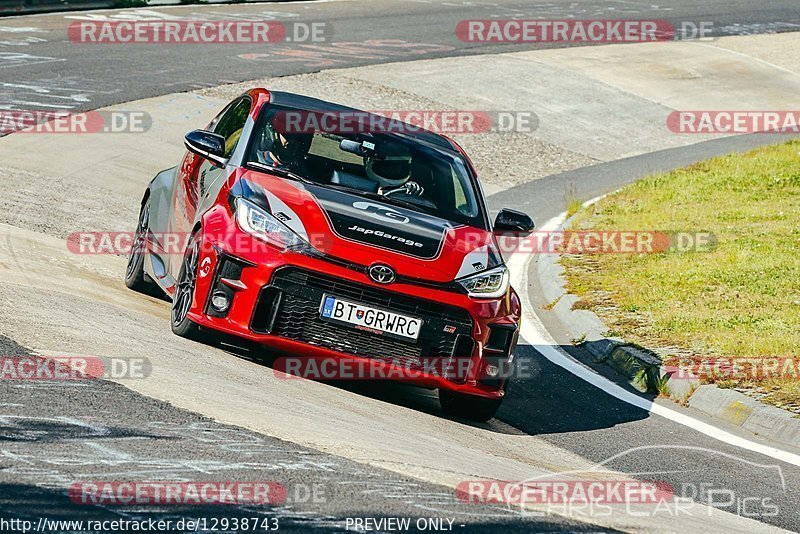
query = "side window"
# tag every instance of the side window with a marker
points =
(465, 201)
(231, 123)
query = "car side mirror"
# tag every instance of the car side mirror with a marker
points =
(208, 145)
(510, 221)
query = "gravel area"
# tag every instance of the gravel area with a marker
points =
(781, 49)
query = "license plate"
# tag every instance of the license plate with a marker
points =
(370, 319)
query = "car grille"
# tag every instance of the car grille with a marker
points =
(289, 307)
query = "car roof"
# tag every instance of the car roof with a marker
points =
(307, 103)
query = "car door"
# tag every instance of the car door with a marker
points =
(230, 126)
(198, 178)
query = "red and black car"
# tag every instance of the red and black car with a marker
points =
(370, 242)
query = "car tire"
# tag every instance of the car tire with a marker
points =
(135, 277)
(469, 407)
(182, 299)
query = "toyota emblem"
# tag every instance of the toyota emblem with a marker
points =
(382, 274)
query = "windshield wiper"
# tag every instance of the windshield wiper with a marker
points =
(404, 203)
(277, 170)
(378, 197)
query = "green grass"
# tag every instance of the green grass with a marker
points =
(741, 299)
(574, 204)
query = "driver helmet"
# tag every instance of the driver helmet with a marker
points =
(389, 171)
(290, 147)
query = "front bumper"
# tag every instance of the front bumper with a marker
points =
(275, 299)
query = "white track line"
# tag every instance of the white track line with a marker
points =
(536, 335)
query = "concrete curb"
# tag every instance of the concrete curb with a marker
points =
(747, 413)
(645, 370)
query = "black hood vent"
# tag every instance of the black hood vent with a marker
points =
(383, 225)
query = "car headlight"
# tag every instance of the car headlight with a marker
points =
(258, 223)
(488, 284)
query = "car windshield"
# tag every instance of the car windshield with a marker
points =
(390, 167)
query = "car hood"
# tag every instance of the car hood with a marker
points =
(363, 231)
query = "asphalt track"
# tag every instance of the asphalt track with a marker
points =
(41, 68)
(41, 448)
(558, 408)
(157, 441)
